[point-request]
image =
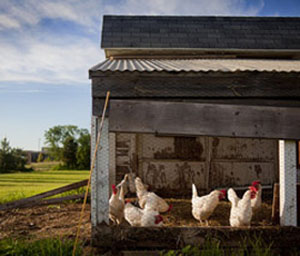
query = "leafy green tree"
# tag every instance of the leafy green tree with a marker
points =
(69, 152)
(61, 147)
(56, 136)
(20, 159)
(6, 156)
(84, 151)
(11, 159)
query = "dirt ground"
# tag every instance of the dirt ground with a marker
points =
(45, 221)
(61, 220)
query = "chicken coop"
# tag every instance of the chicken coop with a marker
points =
(210, 101)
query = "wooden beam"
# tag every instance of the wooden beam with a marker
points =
(195, 119)
(211, 84)
(98, 103)
(287, 183)
(143, 238)
(37, 198)
(56, 200)
(199, 52)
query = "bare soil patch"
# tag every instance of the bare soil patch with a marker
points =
(62, 220)
(45, 221)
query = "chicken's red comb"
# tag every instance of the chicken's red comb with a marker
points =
(170, 208)
(223, 191)
(114, 189)
(256, 182)
(127, 201)
(252, 188)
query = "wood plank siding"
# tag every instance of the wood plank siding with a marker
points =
(172, 163)
(167, 118)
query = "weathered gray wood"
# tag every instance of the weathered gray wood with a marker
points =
(112, 160)
(97, 106)
(199, 53)
(98, 103)
(287, 183)
(170, 118)
(211, 84)
(61, 199)
(94, 129)
(36, 198)
(122, 237)
(100, 175)
(57, 200)
(275, 205)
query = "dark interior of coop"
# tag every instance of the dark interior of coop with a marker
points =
(171, 164)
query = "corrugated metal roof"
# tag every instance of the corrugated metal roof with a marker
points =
(197, 65)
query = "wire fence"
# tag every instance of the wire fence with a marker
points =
(169, 165)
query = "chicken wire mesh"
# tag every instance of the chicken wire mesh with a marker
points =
(169, 165)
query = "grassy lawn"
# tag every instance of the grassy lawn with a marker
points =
(15, 186)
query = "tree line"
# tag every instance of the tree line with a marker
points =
(70, 145)
(67, 144)
(11, 159)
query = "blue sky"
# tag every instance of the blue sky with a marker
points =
(47, 47)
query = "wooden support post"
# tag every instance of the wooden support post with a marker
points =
(94, 126)
(275, 205)
(287, 183)
(100, 175)
(112, 160)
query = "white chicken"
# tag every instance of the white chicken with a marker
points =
(241, 211)
(124, 184)
(116, 205)
(204, 206)
(131, 185)
(132, 214)
(149, 199)
(128, 183)
(256, 201)
(151, 218)
(142, 217)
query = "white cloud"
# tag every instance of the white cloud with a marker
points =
(7, 22)
(46, 63)
(88, 12)
(20, 91)
(187, 7)
(35, 56)
(31, 12)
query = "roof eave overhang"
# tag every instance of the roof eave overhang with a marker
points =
(200, 53)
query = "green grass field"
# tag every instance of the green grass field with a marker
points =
(15, 186)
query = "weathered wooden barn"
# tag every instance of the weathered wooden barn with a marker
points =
(213, 101)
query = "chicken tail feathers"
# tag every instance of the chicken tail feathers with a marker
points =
(232, 197)
(121, 195)
(195, 194)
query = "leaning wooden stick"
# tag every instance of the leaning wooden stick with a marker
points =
(92, 167)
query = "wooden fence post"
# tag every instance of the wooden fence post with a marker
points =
(287, 183)
(100, 175)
